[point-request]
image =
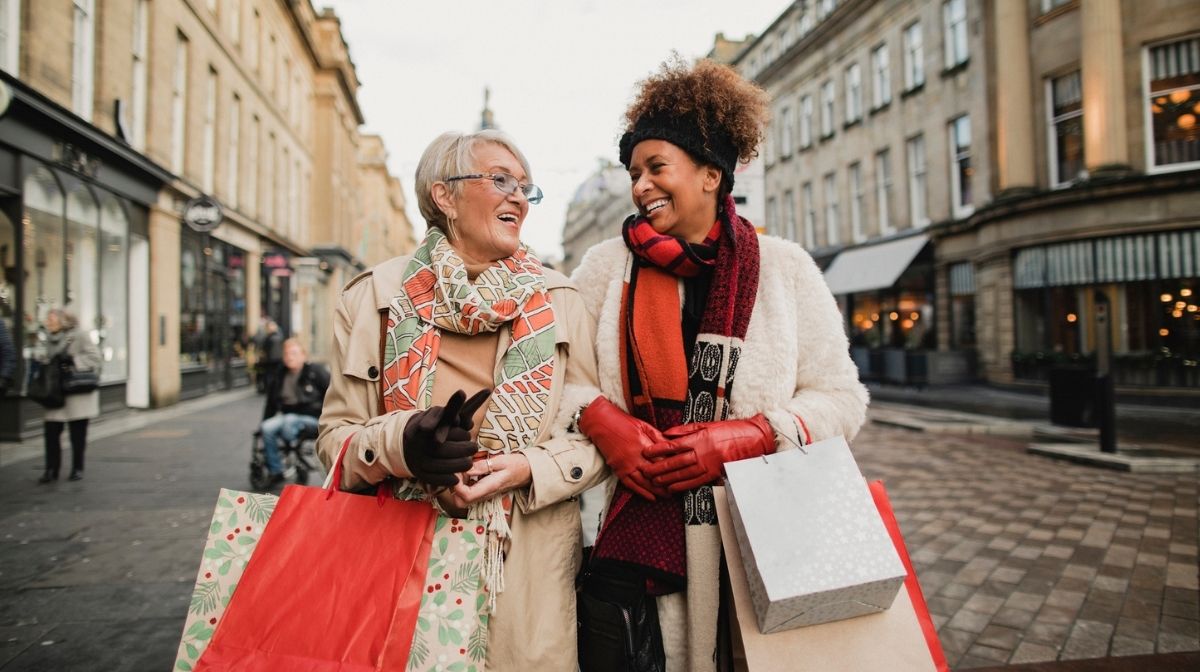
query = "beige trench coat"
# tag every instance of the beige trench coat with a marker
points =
(533, 627)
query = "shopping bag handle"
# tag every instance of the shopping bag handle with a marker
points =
(333, 481)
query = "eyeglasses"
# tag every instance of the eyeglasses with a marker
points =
(505, 183)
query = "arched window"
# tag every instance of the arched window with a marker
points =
(114, 285)
(83, 228)
(44, 245)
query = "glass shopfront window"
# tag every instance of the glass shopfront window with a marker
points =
(8, 273)
(892, 320)
(113, 321)
(75, 256)
(192, 318)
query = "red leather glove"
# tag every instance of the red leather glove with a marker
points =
(694, 455)
(622, 438)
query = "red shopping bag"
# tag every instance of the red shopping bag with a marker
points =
(334, 585)
(879, 494)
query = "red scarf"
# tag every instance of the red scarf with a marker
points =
(660, 386)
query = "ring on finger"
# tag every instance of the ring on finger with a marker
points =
(488, 460)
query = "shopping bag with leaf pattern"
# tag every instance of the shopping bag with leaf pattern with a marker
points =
(237, 523)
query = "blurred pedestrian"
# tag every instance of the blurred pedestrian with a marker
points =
(269, 345)
(293, 403)
(74, 348)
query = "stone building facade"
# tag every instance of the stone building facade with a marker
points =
(126, 112)
(982, 178)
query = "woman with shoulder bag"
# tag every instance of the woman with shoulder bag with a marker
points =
(80, 360)
(714, 345)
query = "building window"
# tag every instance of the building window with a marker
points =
(268, 192)
(960, 167)
(235, 20)
(789, 222)
(235, 147)
(806, 122)
(1048, 5)
(831, 210)
(810, 216)
(856, 202)
(825, 8)
(883, 189)
(773, 216)
(210, 132)
(253, 35)
(179, 104)
(962, 305)
(785, 132)
(918, 206)
(881, 77)
(45, 242)
(853, 93)
(1066, 129)
(140, 74)
(807, 20)
(83, 63)
(827, 94)
(1174, 100)
(914, 57)
(10, 36)
(251, 202)
(954, 20)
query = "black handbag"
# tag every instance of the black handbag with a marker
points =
(617, 623)
(45, 383)
(75, 381)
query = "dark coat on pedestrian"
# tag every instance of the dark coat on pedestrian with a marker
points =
(8, 359)
(84, 356)
(310, 387)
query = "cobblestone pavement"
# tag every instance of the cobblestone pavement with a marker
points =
(1025, 559)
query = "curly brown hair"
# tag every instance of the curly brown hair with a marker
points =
(716, 94)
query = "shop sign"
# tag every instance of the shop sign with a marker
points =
(202, 214)
(275, 260)
(75, 159)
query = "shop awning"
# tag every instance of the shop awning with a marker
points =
(863, 269)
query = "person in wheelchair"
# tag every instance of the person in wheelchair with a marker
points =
(294, 400)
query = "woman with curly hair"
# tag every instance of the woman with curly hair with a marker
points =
(713, 345)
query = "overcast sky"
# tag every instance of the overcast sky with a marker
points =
(561, 73)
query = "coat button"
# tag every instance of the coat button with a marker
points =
(372, 373)
(577, 473)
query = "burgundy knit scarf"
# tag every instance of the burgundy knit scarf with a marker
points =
(666, 386)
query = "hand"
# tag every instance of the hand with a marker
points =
(481, 481)
(694, 455)
(622, 438)
(437, 441)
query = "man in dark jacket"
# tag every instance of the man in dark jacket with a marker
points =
(294, 401)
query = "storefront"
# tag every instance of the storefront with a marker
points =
(1152, 281)
(886, 293)
(73, 234)
(212, 315)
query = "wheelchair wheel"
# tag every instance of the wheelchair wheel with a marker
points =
(260, 477)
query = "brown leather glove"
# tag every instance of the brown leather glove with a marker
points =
(694, 455)
(621, 438)
(437, 441)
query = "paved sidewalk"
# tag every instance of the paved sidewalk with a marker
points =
(1026, 559)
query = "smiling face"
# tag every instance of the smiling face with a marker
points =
(677, 195)
(487, 221)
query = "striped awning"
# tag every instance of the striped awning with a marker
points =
(1148, 256)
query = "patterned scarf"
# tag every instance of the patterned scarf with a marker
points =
(666, 386)
(439, 296)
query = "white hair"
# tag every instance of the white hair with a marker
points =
(453, 154)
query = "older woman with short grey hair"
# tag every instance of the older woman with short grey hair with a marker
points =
(75, 346)
(474, 310)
